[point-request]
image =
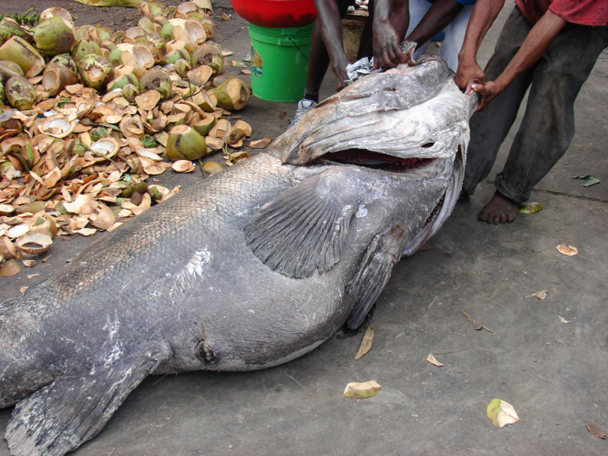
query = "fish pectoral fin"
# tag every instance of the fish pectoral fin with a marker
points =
(71, 410)
(304, 229)
(382, 253)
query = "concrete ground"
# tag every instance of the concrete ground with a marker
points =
(548, 358)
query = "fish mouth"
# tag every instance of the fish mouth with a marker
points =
(375, 160)
(444, 207)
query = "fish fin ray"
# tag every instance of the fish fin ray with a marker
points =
(376, 267)
(292, 236)
(71, 410)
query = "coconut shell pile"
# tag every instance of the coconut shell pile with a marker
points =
(87, 114)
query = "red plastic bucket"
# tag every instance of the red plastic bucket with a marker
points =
(276, 13)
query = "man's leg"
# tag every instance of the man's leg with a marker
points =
(490, 127)
(547, 128)
(318, 62)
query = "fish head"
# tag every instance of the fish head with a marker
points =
(411, 121)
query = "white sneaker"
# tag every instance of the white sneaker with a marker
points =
(303, 107)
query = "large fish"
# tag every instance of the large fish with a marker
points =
(252, 268)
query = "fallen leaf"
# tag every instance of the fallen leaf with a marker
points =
(476, 325)
(366, 343)
(562, 319)
(596, 430)
(362, 390)
(282, 114)
(567, 250)
(542, 295)
(590, 180)
(530, 208)
(501, 413)
(431, 359)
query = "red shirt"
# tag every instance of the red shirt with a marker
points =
(580, 12)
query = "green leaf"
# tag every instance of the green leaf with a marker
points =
(591, 181)
(530, 208)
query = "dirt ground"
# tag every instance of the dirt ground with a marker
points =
(548, 358)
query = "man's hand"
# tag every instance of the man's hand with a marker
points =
(339, 69)
(386, 46)
(487, 92)
(468, 73)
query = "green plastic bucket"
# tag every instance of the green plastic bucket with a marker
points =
(279, 58)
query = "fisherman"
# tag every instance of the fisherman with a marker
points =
(549, 46)
(389, 21)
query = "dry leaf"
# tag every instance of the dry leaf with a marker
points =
(356, 390)
(476, 325)
(431, 359)
(596, 430)
(542, 295)
(366, 343)
(567, 250)
(282, 114)
(501, 413)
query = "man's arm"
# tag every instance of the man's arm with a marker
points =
(532, 49)
(439, 15)
(330, 21)
(385, 39)
(483, 16)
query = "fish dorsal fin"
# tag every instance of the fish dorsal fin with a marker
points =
(304, 229)
(71, 410)
(382, 253)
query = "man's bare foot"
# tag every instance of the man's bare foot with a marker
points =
(499, 209)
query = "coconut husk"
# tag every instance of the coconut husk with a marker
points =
(232, 94)
(23, 54)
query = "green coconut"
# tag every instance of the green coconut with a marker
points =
(54, 36)
(232, 94)
(209, 54)
(9, 69)
(95, 71)
(56, 77)
(184, 143)
(65, 60)
(174, 56)
(159, 80)
(9, 27)
(84, 47)
(129, 92)
(105, 33)
(20, 93)
(23, 54)
(122, 81)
